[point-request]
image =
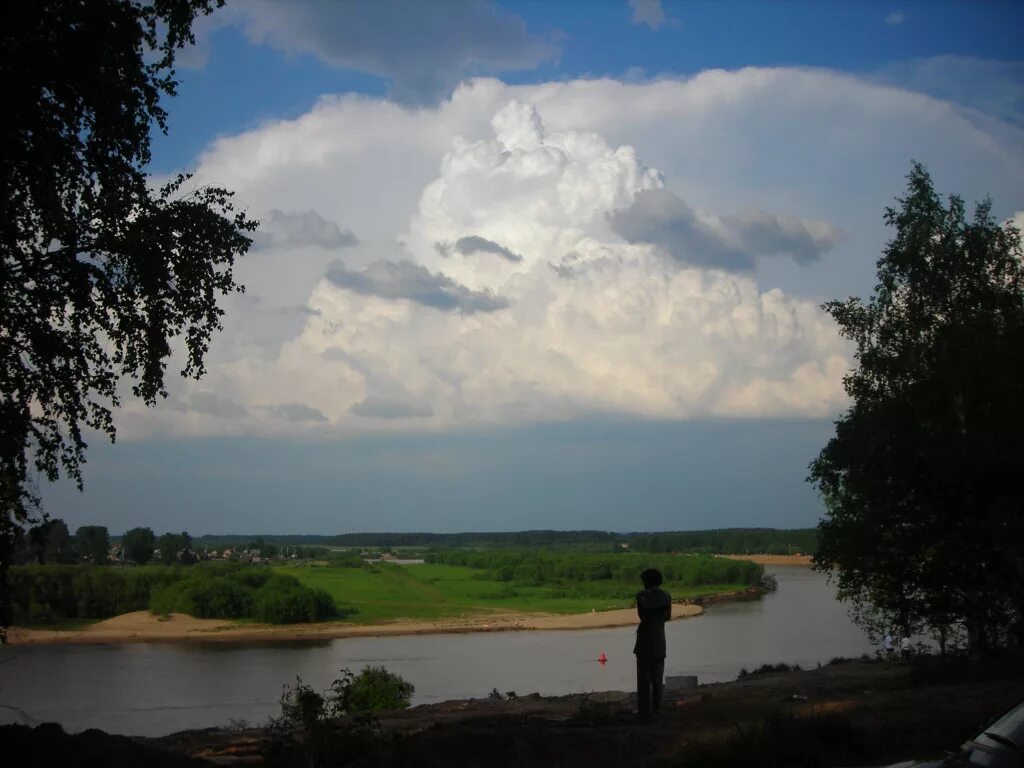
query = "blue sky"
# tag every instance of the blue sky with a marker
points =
(545, 264)
(241, 84)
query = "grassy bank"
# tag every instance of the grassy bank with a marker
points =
(384, 592)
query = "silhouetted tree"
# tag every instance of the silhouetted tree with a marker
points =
(51, 542)
(175, 548)
(92, 543)
(98, 272)
(924, 523)
(138, 544)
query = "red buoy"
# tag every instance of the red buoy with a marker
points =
(602, 658)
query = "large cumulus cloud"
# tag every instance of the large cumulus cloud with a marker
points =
(564, 250)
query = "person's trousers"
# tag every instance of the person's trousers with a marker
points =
(650, 683)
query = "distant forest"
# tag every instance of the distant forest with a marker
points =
(722, 540)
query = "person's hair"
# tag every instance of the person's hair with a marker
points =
(651, 578)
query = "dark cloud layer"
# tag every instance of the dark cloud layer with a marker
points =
(660, 217)
(424, 48)
(386, 408)
(213, 404)
(298, 412)
(405, 280)
(306, 228)
(476, 244)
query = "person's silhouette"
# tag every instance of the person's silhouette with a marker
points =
(654, 606)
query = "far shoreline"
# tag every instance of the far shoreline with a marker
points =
(800, 560)
(145, 627)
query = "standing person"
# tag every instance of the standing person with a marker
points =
(887, 645)
(654, 606)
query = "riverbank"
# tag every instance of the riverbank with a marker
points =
(850, 713)
(856, 712)
(145, 627)
(804, 560)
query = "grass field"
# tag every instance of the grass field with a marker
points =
(427, 591)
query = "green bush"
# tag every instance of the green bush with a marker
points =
(209, 597)
(61, 592)
(373, 690)
(244, 593)
(291, 604)
(305, 735)
(43, 594)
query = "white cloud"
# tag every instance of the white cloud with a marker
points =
(895, 18)
(404, 335)
(424, 48)
(994, 88)
(648, 12)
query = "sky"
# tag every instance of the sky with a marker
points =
(545, 265)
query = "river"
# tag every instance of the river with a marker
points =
(155, 689)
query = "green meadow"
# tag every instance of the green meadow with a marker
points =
(381, 592)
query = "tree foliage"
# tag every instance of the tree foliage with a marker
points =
(138, 545)
(588, 574)
(175, 548)
(99, 273)
(92, 544)
(308, 732)
(374, 689)
(46, 593)
(51, 542)
(232, 592)
(924, 523)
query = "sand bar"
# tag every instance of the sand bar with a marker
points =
(144, 627)
(804, 560)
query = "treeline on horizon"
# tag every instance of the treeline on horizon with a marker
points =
(50, 542)
(540, 567)
(774, 541)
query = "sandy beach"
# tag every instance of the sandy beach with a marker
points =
(804, 560)
(143, 627)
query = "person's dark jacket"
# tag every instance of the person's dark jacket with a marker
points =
(654, 606)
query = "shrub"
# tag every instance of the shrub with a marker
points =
(305, 734)
(765, 669)
(83, 591)
(374, 689)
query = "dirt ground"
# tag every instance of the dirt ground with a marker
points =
(854, 713)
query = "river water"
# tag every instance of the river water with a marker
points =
(155, 689)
